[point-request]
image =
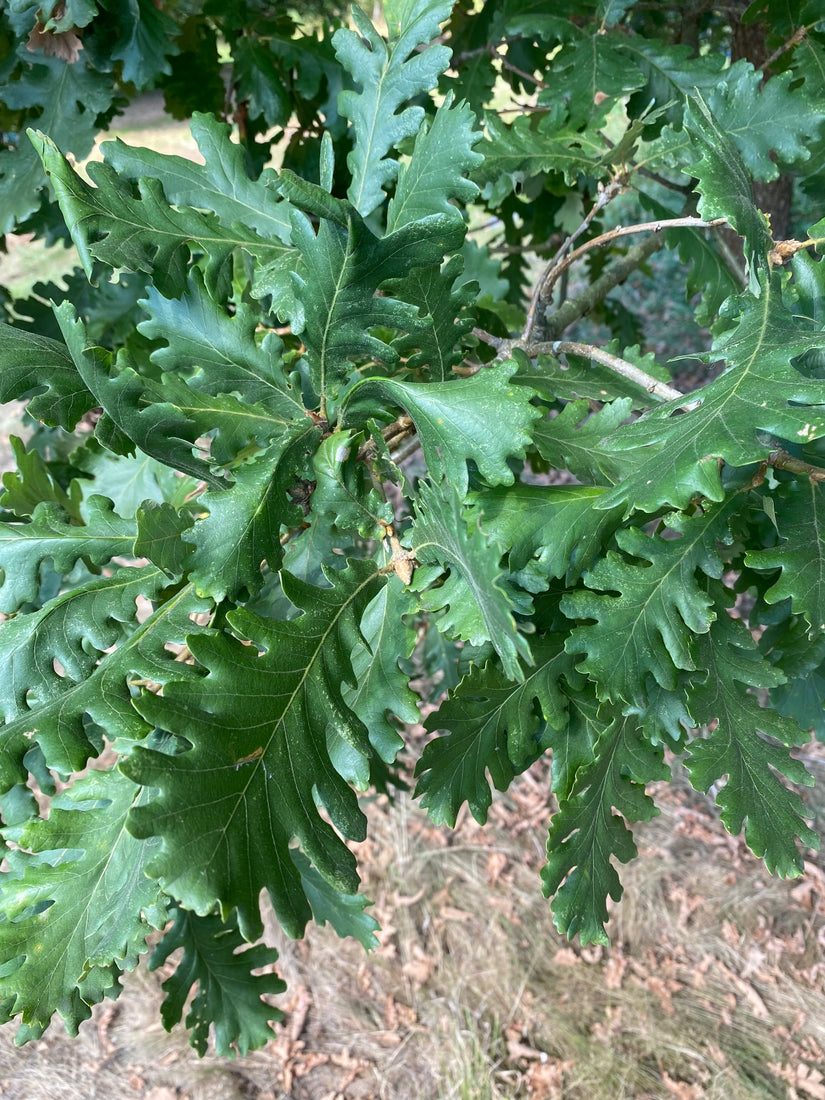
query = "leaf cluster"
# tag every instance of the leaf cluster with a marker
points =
(308, 435)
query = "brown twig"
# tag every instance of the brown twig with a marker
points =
(781, 460)
(555, 323)
(539, 83)
(789, 44)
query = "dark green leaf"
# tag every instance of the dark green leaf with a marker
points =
(229, 995)
(345, 912)
(389, 77)
(76, 904)
(799, 511)
(481, 605)
(25, 546)
(586, 834)
(221, 184)
(243, 527)
(495, 727)
(43, 367)
(748, 745)
(229, 806)
(484, 418)
(761, 391)
(76, 629)
(648, 628)
(548, 531)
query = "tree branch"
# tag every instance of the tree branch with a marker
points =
(781, 460)
(562, 261)
(797, 36)
(605, 196)
(574, 308)
(613, 362)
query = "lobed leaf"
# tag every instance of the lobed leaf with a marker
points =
(343, 270)
(382, 692)
(444, 319)
(228, 807)
(479, 605)
(748, 746)
(484, 419)
(69, 98)
(217, 351)
(243, 528)
(229, 996)
(159, 428)
(436, 173)
(799, 510)
(76, 904)
(221, 184)
(42, 705)
(50, 535)
(390, 74)
(586, 834)
(765, 119)
(648, 627)
(678, 452)
(146, 233)
(548, 531)
(43, 370)
(494, 727)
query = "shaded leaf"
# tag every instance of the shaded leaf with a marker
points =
(343, 269)
(158, 428)
(77, 628)
(481, 606)
(586, 835)
(799, 510)
(648, 627)
(228, 807)
(228, 1000)
(217, 351)
(244, 524)
(548, 531)
(44, 368)
(495, 728)
(748, 745)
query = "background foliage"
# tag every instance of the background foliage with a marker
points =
(309, 432)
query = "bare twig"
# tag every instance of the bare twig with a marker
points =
(613, 362)
(781, 460)
(520, 72)
(488, 338)
(518, 249)
(605, 196)
(789, 44)
(625, 231)
(574, 308)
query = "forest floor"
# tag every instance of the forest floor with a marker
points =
(713, 987)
